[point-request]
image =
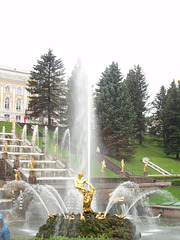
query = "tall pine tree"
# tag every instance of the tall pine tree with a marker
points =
(47, 89)
(171, 124)
(137, 87)
(115, 113)
(158, 106)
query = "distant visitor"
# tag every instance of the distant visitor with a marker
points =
(4, 230)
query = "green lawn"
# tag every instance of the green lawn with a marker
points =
(7, 125)
(156, 155)
(135, 166)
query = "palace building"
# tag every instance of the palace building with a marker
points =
(13, 94)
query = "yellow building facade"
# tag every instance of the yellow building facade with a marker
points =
(13, 94)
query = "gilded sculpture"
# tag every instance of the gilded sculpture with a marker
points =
(87, 194)
(32, 164)
(103, 163)
(55, 149)
(145, 165)
(5, 147)
(122, 166)
(17, 175)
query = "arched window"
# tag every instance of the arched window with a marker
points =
(18, 104)
(19, 91)
(7, 89)
(7, 103)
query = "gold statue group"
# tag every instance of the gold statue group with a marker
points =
(87, 194)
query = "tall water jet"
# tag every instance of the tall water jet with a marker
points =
(13, 129)
(24, 134)
(55, 139)
(66, 143)
(80, 122)
(35, 136)
(45, 139)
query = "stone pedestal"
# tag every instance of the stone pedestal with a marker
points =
(16, 164)
(5, 155)
(145, 174)
(32, 177)
(2, 169)
(123, 174)
(102, 174)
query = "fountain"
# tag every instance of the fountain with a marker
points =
(37, 202)
(24, 134)
(45, 139)
(55, 139)
(80, 129)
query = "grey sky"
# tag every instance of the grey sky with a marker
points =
(129, 32)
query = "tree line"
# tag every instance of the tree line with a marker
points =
(120, 104)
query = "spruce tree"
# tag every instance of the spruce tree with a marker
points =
(115, 112)
(171, 124)
(106, 97)
(137, 87)
(158, 106)
(47, 89)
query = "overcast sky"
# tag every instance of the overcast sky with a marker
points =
(144, 32)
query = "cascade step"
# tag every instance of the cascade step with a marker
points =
(5, 204)
(48, 172)
(24, 153)
(54, 180)
(40, 163)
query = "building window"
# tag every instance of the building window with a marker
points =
(18, 104)
(7, 103)
(19, 91)
(18, 118)
(7, 89)
(6, 117)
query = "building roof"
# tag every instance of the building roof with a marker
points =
(13, 74)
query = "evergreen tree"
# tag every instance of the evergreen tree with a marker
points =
(47, 89)
(137, 87)
(106, 97)
(171, 122)
(158, 105)
(114, 109)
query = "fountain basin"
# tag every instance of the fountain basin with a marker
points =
(166, 211)
(111, 227)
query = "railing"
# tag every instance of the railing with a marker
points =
(156, 167)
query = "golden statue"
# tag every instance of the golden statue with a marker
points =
(100, 215)
(51, 215)
(13, 122)
(55, 149)
(32, 164)
(122, 166)
(116, 198)
(120, 216)
(103, 163)
(17, 175)
(145, 165)
(87, 194)
(5, 146)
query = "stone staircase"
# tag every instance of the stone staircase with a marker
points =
(48, 169)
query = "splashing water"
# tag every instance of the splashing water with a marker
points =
(24, 134)
(56, 195)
